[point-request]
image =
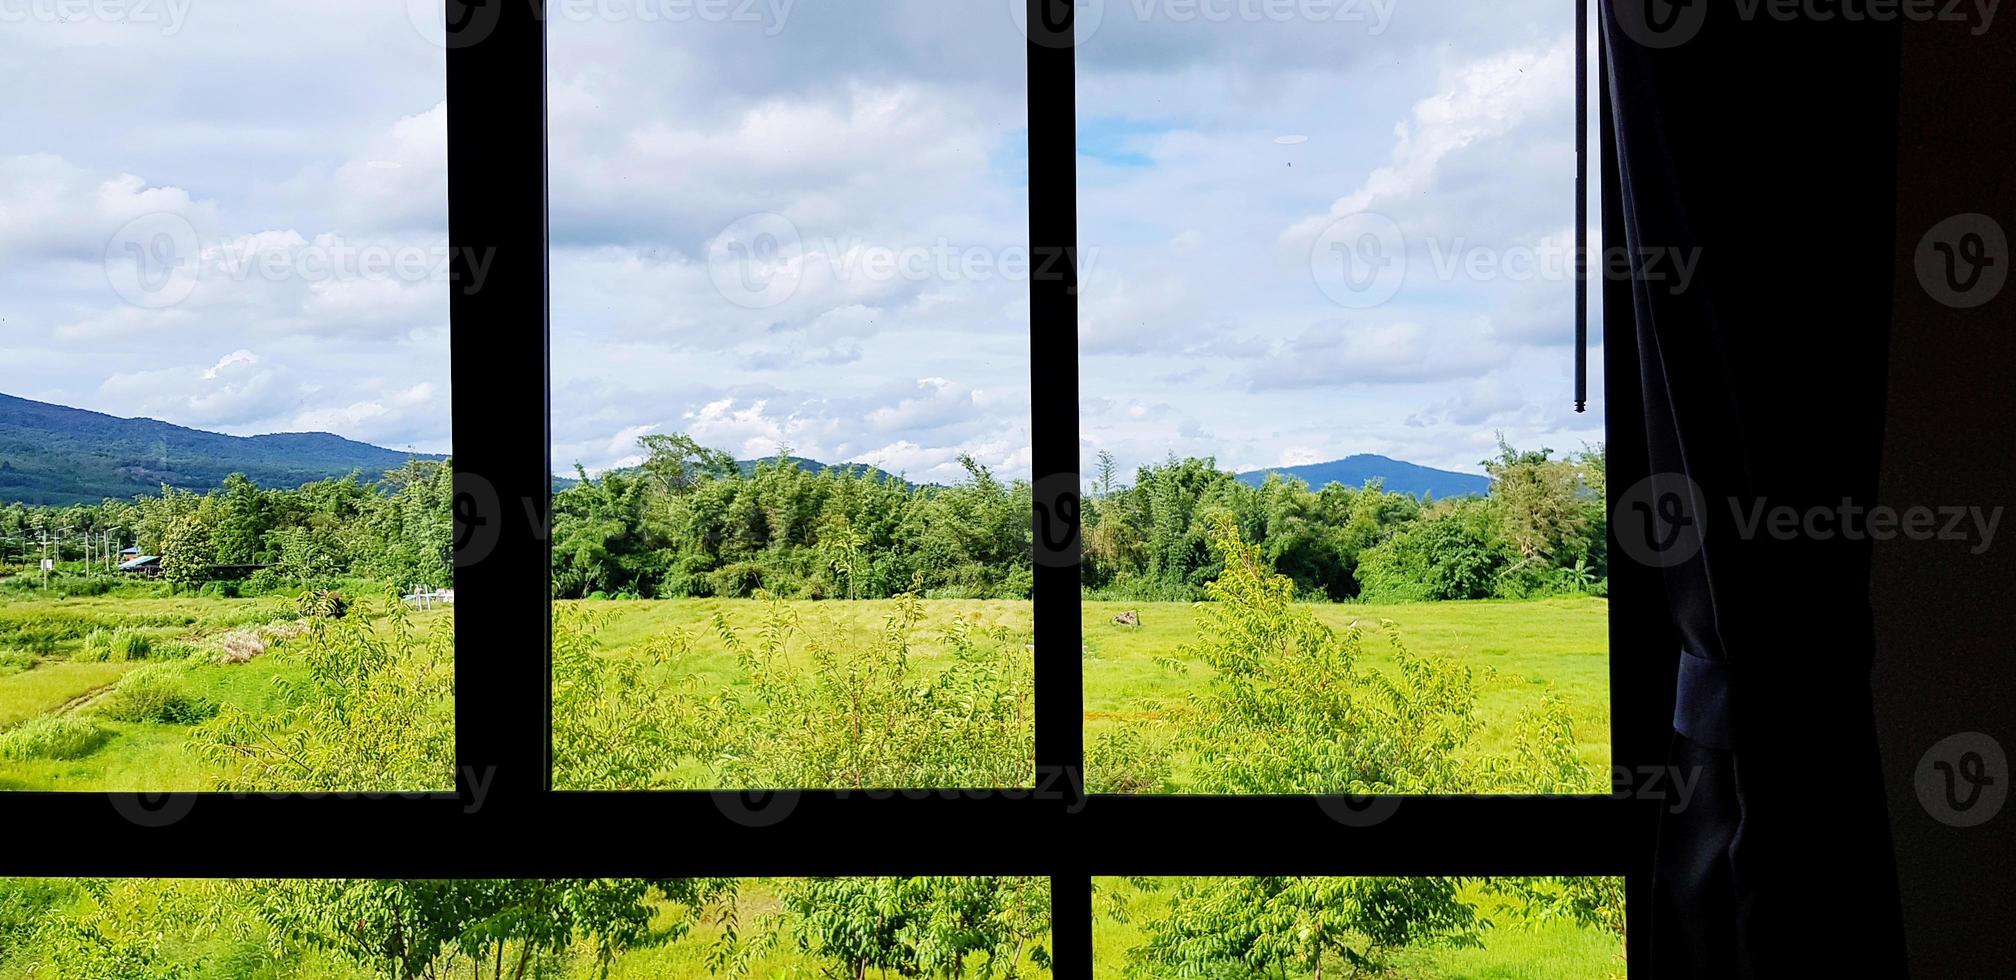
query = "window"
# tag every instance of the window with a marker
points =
(581, 725)
(1331, 395)
(791, 401)
(225, 496)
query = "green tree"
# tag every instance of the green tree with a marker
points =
(1238, 927)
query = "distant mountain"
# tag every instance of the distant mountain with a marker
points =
(748, 466)
(53, 454)
(1399, 476)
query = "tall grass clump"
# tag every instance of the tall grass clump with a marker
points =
(117, 645)
(57, 737)
(157, 693)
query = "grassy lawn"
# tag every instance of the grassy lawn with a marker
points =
(1519, 648)
(139, 756)
(1512, 950)
(50, 685)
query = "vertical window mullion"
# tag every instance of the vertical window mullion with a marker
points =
(497, 229)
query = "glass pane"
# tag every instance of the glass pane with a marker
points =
(497, 929)
(1326, 357)
(790, 399)
(225, 423)
(1559, 928)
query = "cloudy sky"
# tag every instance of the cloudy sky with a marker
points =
(272, 137)
(806, 227)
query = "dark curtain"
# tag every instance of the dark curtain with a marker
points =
(1769, 146)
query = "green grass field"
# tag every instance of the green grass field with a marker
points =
(1520, 650)
(1512, 950)
(63, 679)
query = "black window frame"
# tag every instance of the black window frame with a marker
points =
(504, 820)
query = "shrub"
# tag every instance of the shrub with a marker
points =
(264, 582)
(1291, 709)
(157, 693)
(1127, 760)
(17, 661)
(53, 737)
(221, 589)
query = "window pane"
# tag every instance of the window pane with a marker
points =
(362, 929)
(1326, 329)
(225, 359)
(790, 335)
(1559, 928)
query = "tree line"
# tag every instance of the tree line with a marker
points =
(397, 528)
(690, 521)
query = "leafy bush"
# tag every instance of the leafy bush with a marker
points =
(59, 737)
(908, 927)
(376, 713)
(1127, 760)
(1238, 927)
(265, 581)
(157, 693)
(220, 589)
(1445, 557)
(1290, 710)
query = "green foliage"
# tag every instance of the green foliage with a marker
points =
(1290, 709)
(1239, 927)
(912, 927)
(157, 693)
(688, 522)
(807, 708)
(376, 713)
(398, 529)
(1589, 902)
(59, 736)
(17, 661)
(1127, 760)
(492, 928)
(117, 645)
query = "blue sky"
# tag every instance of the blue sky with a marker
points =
(860, 167)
